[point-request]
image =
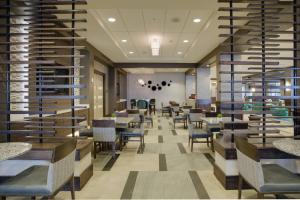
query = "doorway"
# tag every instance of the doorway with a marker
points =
(99, 94)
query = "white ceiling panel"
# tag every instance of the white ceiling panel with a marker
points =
(190, 26)
(133, 20)
(175, 20)
(154, 21)
(136, 21)
(118, 25)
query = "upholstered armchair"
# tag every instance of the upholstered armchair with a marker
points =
(104, 131)
(195, 134)
(264, 178)
(194, 117)
(44, 180)
(125, 136)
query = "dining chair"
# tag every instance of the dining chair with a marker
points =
(104, 132)
(195, 117)
(121, 114)
(44, 180)
(132, 103)
(264, 178)
(195, 134)
(125, 136)
(178, 118)
(136, 115)
(142, 104)
(152, 106)
(165, 109)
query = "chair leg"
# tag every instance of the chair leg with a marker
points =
(114, 149)
(95, 149)
(207, 142)
(189, 141)
(121, 142)
(240, 187)
(72, 189)
(260, 195)
(212, 143)
(192, 144)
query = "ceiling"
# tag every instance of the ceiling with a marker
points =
(155, 70)
(138, 20)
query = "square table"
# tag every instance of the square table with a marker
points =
(121, 122)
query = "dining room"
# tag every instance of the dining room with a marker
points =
(108, 99)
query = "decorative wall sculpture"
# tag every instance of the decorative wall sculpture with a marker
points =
(153, 86)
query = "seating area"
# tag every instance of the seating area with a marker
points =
(160, 99)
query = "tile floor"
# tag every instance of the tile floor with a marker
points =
(165, 170)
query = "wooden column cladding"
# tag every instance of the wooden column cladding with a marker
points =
(41, 36)
(261, 43)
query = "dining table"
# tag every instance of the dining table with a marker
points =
(288, 145)
(10, 150)
(121, 122)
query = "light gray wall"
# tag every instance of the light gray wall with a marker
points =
(203, 83)
(190, 87)
(176, 92)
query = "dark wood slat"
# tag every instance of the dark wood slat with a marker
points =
(247, 63)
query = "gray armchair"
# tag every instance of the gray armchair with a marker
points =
(44, 180)
(264, 178)
(195, 134)
(104, 131)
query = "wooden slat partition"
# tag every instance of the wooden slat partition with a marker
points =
(33, 51)
(256, 54)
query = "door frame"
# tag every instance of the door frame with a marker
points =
(104, 89)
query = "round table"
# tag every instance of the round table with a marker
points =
(288, 145)
(13, 149)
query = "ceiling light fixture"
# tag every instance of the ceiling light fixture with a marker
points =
(179, 53)
(196, 20)
(111, 19)
(185, 41)
(124, 41)
(155, 46)
(131, 52)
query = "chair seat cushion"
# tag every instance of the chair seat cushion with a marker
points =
(86, 133)
(31, 182)
(279, 179)
(199, 133)
(133, 132)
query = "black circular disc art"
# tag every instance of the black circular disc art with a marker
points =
(157, 86)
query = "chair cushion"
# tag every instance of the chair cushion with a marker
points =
(133, 132)
(31, 182)
(279, 179)
(199, 133)
(86, 133)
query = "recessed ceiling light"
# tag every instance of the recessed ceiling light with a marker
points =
(179, 52)
(124, 41)
(111, 19)
(131, 52)
(185, 41)
(196, 20)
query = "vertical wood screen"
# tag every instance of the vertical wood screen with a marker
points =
(260, 64)
(40, 61)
